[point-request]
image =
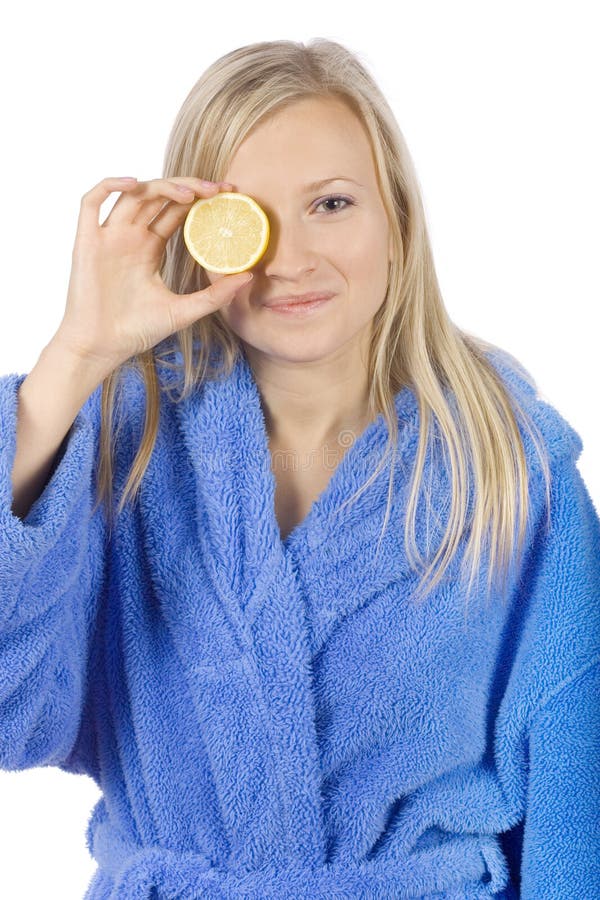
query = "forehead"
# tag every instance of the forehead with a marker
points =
(308, 134)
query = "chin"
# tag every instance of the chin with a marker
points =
(294, 351)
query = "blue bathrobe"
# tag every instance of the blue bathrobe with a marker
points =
(273, 718)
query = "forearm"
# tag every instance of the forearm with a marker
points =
(49, 400)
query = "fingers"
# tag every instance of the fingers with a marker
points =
(143, 202)
(180, 202)
(92, 201)
(130, 204)
(163, 218)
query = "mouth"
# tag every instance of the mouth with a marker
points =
(300, 304)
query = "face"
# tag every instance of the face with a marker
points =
(332, 238)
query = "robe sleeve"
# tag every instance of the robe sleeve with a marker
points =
(51, 566)
(561, 836)
(561, 846)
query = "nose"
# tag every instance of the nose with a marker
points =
(290, 252)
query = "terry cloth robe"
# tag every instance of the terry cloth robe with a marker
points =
(274, 718)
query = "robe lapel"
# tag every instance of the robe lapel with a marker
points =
(235, 615)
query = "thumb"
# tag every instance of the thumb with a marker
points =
(190, 307)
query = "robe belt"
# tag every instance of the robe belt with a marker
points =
(157, 873)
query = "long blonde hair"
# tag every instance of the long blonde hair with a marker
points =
(414, 342)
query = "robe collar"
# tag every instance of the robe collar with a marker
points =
(227, 436)
(226, 441)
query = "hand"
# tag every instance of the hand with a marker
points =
(118, 305)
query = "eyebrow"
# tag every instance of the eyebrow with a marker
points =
(315, 185)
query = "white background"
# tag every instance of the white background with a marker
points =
(498, 104)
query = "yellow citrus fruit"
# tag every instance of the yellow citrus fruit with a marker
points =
(226, 233)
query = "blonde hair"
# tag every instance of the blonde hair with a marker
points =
(414, 343)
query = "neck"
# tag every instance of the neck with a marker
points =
(310, 404)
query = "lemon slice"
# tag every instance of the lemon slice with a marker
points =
(226, 233)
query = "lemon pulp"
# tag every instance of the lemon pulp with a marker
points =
(226, 233)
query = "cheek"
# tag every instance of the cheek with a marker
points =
(367, 273)
(362, 252)
(367, 265)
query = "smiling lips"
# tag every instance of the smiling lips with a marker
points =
(298, 299)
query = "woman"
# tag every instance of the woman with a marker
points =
(278, 675)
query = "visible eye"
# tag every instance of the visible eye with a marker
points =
(335, 198)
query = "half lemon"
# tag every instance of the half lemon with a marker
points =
(226, 233)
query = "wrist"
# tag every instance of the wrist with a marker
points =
(88, 370)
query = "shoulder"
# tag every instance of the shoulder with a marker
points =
(560, 439)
